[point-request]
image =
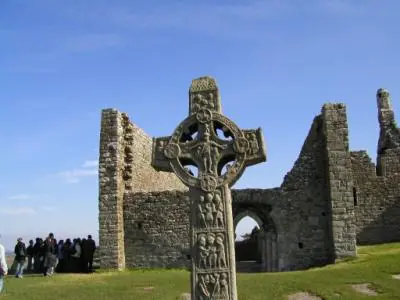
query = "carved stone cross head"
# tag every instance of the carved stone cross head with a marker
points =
(195, 142)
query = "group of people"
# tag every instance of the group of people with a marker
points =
(48, 256)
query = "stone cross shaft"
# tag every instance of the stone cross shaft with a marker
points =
(220, 161)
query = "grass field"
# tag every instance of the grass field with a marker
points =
(375, 265)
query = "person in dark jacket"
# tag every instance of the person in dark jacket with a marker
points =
(67, 255)
(88, 249)
(20, 257)
(76, 251)
(30, 253)
(36, 256)
(83, 263)
(50, 258)
(42, 255)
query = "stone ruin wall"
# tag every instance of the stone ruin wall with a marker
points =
(124, 167)
(156, 223)
(376, 199)
(144, 214)
(157, 229)
(377, 190)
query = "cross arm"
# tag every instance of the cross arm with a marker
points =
(256, 152)
(158, 159)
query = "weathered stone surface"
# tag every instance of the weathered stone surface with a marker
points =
(340, 180)
(144, 220)
(124, 166)
(377, 189)
(157, 229)
(195, 142)
(364, 288)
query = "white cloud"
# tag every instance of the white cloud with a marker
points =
(75, 176)
(132, 24)
(90, 164)
(15, 211)
(20, 197)
(48, 208)
(88, 169)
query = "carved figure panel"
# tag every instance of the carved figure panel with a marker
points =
(253, 144)
(255, 152)
(204, 100)
(211, 210)
(213, 286)
(158, 156)
(211, 252)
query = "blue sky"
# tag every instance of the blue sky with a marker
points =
(276, 63)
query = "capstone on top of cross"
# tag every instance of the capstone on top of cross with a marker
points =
(204, 94)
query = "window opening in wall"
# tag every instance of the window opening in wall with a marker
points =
(323, 214)
(355, 196)
(247, 244)
(301, 245)
(140, 225)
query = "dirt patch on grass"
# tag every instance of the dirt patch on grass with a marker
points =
(365, 289)
(303, 296)
(396, 276)
(148, 288)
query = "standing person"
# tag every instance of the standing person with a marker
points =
(60, 257)
(3, 266)
(30, 252)
(36, 256)
(67, 249)
(41, 255)
(83, 263)
(76, 252)
(89, 247)
(20, 257)
(50, 258)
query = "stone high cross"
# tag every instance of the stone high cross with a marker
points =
(195, 142)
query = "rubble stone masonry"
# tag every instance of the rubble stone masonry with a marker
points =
(330, 200)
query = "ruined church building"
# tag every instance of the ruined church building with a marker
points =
(332, 200)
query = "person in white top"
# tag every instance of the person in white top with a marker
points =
(3, 266)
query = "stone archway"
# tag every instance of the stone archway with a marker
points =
(267, 237)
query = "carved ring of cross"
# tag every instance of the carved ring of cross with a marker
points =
(208, 152)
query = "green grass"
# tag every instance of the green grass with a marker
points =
(375, 265)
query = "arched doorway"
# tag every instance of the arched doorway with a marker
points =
(255, 242)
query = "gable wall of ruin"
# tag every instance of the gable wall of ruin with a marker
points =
(377, 199)
(124, 167)
(377, 188)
